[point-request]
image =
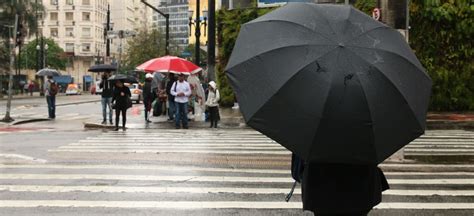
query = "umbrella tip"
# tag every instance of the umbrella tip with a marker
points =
(341, 45)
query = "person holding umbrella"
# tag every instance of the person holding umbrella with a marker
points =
(121, 96)
(148, 95)
(51, 89)
(107, 91)
(212, 103)
(181, 90)
(171, 103)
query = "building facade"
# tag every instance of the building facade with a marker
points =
(77, 26)
(178, 26)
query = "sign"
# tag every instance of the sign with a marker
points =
(376, 14)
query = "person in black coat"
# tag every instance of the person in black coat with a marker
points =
(342, 189)
(121, 97)
(148, 96)
(171, 103)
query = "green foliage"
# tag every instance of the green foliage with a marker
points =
(144, 46)
(229, 22)
(55, 57)
(441, 34)
(366, 6)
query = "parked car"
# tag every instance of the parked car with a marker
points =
(73, 89)
(136, 92)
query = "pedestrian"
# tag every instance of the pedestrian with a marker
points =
(212, 104)
(107, 91)
(25, 87)
(51, 89)
(148, 96)
(342, 189)
(181, 90)
(31, 86)
(121, 97)
(171, 103)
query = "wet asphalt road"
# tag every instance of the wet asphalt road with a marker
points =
(59, 168)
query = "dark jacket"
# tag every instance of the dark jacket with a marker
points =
(168, 89)
(147, 92)
(121, 101)
(342, 189)
(107, 88)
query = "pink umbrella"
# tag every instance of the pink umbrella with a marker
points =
(169, 64)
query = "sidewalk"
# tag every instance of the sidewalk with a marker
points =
(35, 95)
(450, 120)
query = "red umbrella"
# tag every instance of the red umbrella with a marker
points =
(169, 64)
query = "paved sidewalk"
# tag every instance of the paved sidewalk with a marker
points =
(35, 95)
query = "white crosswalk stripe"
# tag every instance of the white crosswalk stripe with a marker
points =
(204, 186)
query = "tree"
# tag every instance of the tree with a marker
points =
(143, 47)
(55, 56)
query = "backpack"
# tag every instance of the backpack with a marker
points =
(53, 88)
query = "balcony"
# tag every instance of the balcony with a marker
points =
(69, 23)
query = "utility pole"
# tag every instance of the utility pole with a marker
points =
(107, 30)
(167, 19)
(211, 41)
(197, 49)
(7, 117)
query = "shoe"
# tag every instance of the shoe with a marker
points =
(178, 127)
(124, 128)
(116, 129)
(111, 122)
(185, 127)
(103, 122)
(148, 121)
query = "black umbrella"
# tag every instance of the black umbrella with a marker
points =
(124, 78)
(48, 72)
(102, 68)
(329, 83)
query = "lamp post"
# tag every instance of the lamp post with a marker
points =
(43, 52)
(211, 41)
(197, 24)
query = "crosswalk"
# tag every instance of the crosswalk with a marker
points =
(218, 172)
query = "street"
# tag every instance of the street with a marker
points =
(59, 168)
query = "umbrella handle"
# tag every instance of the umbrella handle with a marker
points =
(288, 197)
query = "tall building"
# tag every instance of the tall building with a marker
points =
(78, 27)
(178, 26)
(128, 15)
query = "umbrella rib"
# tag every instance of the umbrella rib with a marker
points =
(389, 81)
(360, 35)
(292, 78)
(299, 24)
(393, 53)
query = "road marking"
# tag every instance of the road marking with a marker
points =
(175, 147)
(145, 167)
(206, 204)
(464, 181)
(436, 166)
(438, 150)
(236, 141)
(23, 157)
(171, 144)
(173, 151)
(205, 190)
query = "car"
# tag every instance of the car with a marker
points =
(73, 89)
(136, 92)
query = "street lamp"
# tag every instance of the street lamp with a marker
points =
(197, 25)
(43, 51)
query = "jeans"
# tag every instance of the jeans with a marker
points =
(171, 109)
(181, 114)
(106, 101)
(51, 100)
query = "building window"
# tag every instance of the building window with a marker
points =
(86, 16)
(69, 16)
(86, 32)
(69, 32)
(54, 16)
(54, 32)
(86, 2)
(86, 47)
(69, 47)
(69, 2)
(54, 2)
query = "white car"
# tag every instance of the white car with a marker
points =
(136, 92)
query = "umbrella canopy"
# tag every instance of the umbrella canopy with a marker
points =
(124, 78)
(329, 83)
(48, 72)
(170, 64)
(102, 68)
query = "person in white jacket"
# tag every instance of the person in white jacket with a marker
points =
(181, 90)
(213, 104)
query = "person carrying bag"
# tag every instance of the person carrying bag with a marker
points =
(212, 103)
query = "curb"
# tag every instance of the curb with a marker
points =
(449, 125)
(81, 102)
